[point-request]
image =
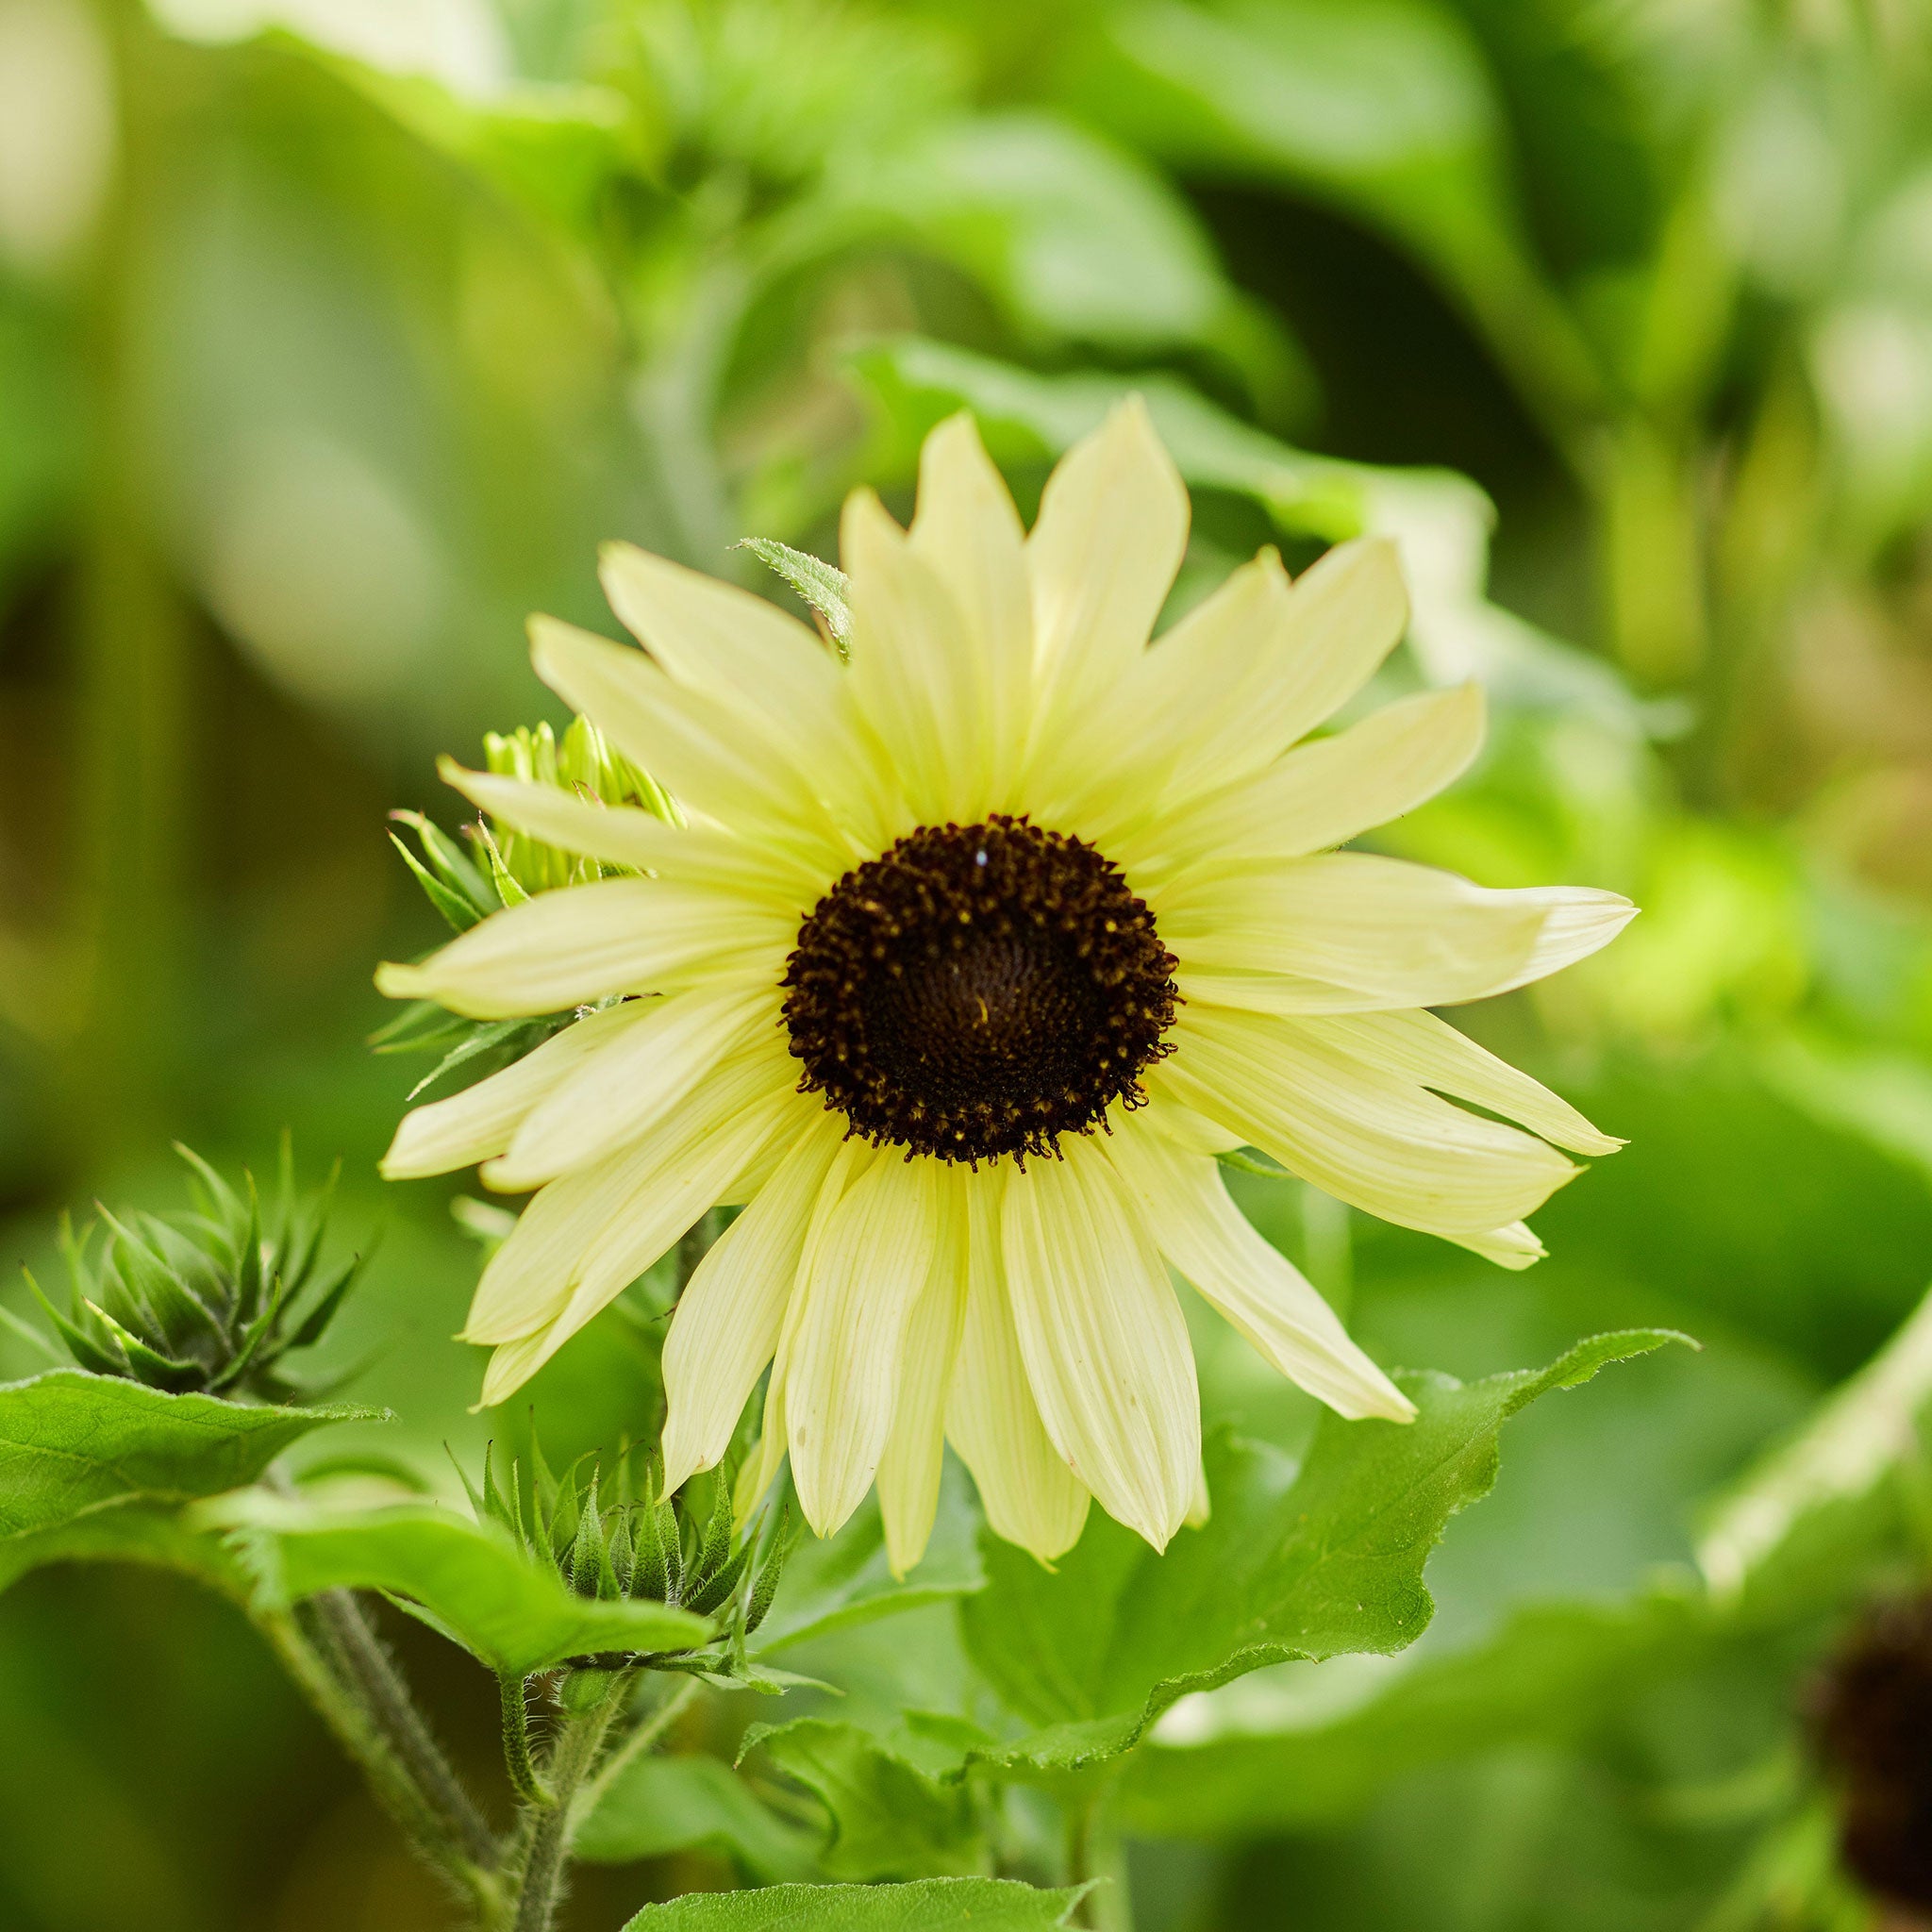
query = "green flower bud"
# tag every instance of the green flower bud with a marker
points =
(213, 1299)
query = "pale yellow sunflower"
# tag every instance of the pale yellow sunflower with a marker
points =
(971, 958)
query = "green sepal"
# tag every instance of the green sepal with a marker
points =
(827, 589)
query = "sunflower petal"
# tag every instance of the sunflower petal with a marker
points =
(1325, 792)
(726, 1323)
(1420, 1047)
(1397, 934)
(1106, 1348)
(1207, 1237)
(477, 1124)
(624, 835)
(1029, 1494)
(841, 1371)
(1113, 530)
(1377, 1141)
(919, 683)
(573, 947)
(629, 1085)
(908, 1472)
(967, 530)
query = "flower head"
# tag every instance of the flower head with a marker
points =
(971, 956)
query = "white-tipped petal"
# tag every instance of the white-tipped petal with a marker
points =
(1393, 933)
(1420, 1047)
(922, 685)
(1113, 530)
(1376, 1141)
(967, 529)
(477, 1124)
(1105, 1344)
(908, 1472)
(575, 947)
(1029, 1494)
(726, 1323)
(688, 740)
(1325, 792)
(1207, 1237)
(842, 1368)
(629, 1085)
(597, 1230)
(624, 835)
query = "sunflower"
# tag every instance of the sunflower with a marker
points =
(967, 960)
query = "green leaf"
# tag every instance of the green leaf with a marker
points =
(930, 1904)
(827, 589)
(831, 1584)
(1550, 1677)
(1442, 519)
(656, 1805)
(471, 1578)
(1383, 108)
(73, 1442)
(127, 1531)
(890, 1819)
(1077, 238)
(1308, 1559)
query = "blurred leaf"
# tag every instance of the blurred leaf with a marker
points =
(890, 1819)
(1441, 520)
(930, 1904)
(1076, 240)
(1549, 1676)
(1383, 108)
(1875, 1427)
(1305, 1560)
(476, 1584)
(72, 1443)
(832, 1583)
(656, 1805)
(129, 1530)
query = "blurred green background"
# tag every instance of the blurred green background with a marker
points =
(334, 335)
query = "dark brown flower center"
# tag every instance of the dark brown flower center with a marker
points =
(978, 990)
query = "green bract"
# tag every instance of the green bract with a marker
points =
(211, 1300)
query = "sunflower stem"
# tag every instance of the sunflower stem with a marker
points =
(516, 1743)
(549, 1831)
(642, 1739)
(370, 1672)
(1097, 1858)
(309, 1653)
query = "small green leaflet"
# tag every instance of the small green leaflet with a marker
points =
(827, 590)
(1298, 1561)
(470, 1579)
(890, 1819)
(931, 1905)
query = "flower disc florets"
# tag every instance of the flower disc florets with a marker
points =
(979, 990)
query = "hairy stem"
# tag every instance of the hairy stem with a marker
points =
(309, 1653)
(547, 1852)
(516, 1743)
(370, 1673)
(642, 1739)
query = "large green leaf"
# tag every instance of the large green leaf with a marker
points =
(73, 1442)
(656, 1805)
(1548, 1677)
(470, 1578)
(844, 1579)
(1442, 519)
(1300, 1560)
(890, 1819)
(930, 1904)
